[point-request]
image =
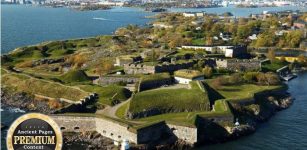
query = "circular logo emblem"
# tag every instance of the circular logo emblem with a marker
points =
(34, 131)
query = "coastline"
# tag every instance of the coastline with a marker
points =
(281, 100)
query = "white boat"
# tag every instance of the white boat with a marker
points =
(288, 77)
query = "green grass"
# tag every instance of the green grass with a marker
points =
(42, 87)
(241, 92)
(275, 65)
(221, 106)
(155, 77)
(74, 76)
(186, 73)
(109, 94)
(178, 100)
(60, 52)
(3, 71)
(121, 112)
(183, 118)
(198, 42)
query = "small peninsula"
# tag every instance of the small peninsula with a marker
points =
(187, 79)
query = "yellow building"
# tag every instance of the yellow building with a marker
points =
(287, 58)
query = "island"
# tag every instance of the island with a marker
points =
(186, 80)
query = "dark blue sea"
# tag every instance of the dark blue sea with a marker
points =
(26, 25)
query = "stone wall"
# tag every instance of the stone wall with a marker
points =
(151, 133)
(114, 130)
(188, 134)
(238, 64)
(75, 124)
(117, 131)
(106, 80)
(139, 69)
(146, 69)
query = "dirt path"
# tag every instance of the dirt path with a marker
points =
(111, 111)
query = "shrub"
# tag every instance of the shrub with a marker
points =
(207, 72)
(250, 77)
(235, 79)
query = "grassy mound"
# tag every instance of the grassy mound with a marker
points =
(74, 76)
(155, 77)
(42, 87)
(171, 100)
(108, 95)
(239, 92)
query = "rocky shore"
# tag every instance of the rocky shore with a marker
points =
(24, 101)
(87, 141)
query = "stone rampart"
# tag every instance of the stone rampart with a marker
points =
(238, 64)
(114, 130)
(75, 124)
(106, 80)
(188, 134)
(146, 69)
(117, 131)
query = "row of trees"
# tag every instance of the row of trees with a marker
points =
(248, 77)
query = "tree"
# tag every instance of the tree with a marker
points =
(272, 78)
(283, 59)
(104, 67)
(218, 82)
(293, 38)
(250, 76)
(301, 58)
(235, 79)
(271, 54)
(207, 72)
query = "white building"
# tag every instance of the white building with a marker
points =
(253, 37)
(206, 48)
(189, 14)
(185, 76)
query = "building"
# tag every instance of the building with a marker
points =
(185, 76)
(206, 48)
(225, 36)
(189, 14)
(193, 14)
(253, 37)
(287, 58)
(299, 24)
(236, 51)
(231, 51)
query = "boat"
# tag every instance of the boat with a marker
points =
(288, 77)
